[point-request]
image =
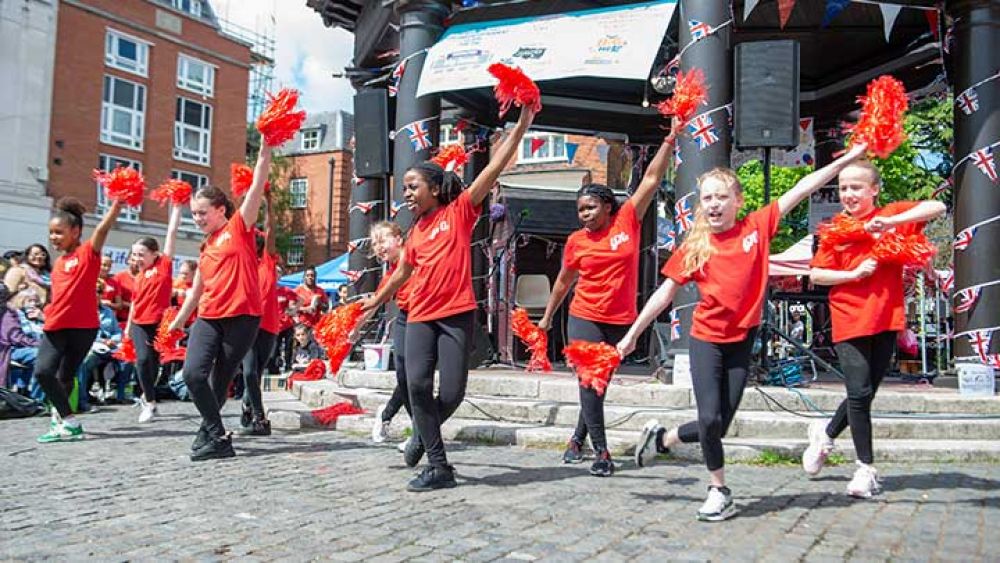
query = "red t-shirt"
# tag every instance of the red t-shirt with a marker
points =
(870, 305)
(228, 266)
(126, 285)
(608, 266)
(152, 292)
(306, 297)
(180, 294)
(111, 289)
(439, 249)
(74, 290)
(267, 276)
(285, 297)
(402, 293)
(733, 281)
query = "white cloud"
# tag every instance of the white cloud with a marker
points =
(307, 53)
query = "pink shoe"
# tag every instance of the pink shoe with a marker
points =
(820, 446)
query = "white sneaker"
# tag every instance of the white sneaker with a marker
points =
(646, 449)
(380, 429)
(402, 445)
(865, 483)
(148, 413)
(820, 446)
(718, 506)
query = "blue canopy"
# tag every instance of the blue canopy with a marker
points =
(328, 275)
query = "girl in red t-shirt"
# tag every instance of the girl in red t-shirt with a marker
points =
(728, 261)
(866, 307)
(602, 259)
(441, 303)
(150, 299)
(227, 295)
(71, 316)
(254, 422)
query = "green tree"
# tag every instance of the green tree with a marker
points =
(280, 196)
(793, 226)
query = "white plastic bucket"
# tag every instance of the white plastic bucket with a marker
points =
(377, 356)
(975, 379)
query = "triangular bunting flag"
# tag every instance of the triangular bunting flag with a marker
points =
(983, 159)
(536, 143)
(946, 279)
(571, 151)
(964, 238)
(748, 7)
(394, 209)
(785, 11)
(675, 325)
(967, 299)
(980, 342)
(889, 14)
(364, 206)
(833, 7)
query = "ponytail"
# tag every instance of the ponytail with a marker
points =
(448, 183)
(697, 246)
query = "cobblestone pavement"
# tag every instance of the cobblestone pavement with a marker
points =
(130, 492)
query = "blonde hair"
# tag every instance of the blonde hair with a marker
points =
(697, 246)
(876, 176)
(383, 227)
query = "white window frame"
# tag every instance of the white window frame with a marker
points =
(127, 214)
(298, 188)
(197, 8)
(310, 139)
(203, 157)
(187, 221)
(296, 255)
(137, 117)
(206, 87)
(138, 67)
(544, 154)
(449, 135)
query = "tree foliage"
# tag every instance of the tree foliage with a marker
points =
(280, 196)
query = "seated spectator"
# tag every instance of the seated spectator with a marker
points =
(109, 338)
(30, 274)
(15, 345)
(305, 349)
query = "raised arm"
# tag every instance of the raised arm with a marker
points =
(483, 183)
(190, 302)
(396, 280)
(251, 202)
(101, 231)
(923, 211)
(818, 179)
(654, 173)
(172, 226)
(564, 281)
(663, 296)
(270, 246)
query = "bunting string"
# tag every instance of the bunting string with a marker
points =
(984, 160)
(968, 99)
(699, 31)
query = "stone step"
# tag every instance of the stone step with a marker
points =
(631, 391)
(747, 424)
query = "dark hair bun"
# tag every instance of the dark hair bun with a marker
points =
(71, 205)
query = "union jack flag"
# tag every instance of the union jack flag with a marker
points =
(395, 77)
(358, 181)
(702, 131)
(968, 101)
(942, 188)
(980, 342)
(967, 299)
(673, 67)
(964, 238)
(983, 159)
(394, 208)
(683, 215)
(677, 155)
(353, 275)
(946, 279)
(992, 360)
(364, 206)
(675, 326)
(670, 241)
(699, 30)
(357, 243)
(420, 137)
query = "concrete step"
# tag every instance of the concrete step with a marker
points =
(747, 424)
(631, 391)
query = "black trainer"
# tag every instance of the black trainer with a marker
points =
(433, 477)
(214, 448)
(246, 417)
(414, 451)
(200, 438)
(603, 466)
(573, 453)
(259, 427)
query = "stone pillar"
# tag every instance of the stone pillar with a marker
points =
(977, 56)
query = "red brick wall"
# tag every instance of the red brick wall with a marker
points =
(76, 103)
(312, 221)
(586, 157)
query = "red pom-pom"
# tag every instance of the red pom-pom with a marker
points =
(904, 250)
(279, 122)
(333, 331)
(330, 414)
(451, 157)
(125, 352)
(240, 178)
(842, 230)
(883, 111)
(177, 192)
(534, 338)
(594, 362)
(124, 184)
(168, 341)
(514, 88)
(689, 94)
(314, 372)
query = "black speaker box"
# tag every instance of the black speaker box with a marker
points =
(372, 157)
(766, 104)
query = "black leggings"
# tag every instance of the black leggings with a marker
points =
(442, 343)
(147, 359)
(718, 375)
(283, 351)
(865, 361)
(591, 419)
(400, 395)
(215, 349)
(253, 368)
(59, 356)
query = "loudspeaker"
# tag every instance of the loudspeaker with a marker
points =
(372, 157)
(767, 94)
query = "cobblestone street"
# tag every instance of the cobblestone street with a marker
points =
(130, 492)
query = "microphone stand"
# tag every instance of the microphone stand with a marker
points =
(494, 358)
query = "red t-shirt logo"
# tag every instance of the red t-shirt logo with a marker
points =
(71, 264)
(223, 239)
(749, 241)
(442, 227)
(149, 273)
(618, 240)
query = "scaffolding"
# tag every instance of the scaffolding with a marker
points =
(262, 47)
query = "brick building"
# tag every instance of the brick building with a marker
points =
(153, 84)
(318, 177)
